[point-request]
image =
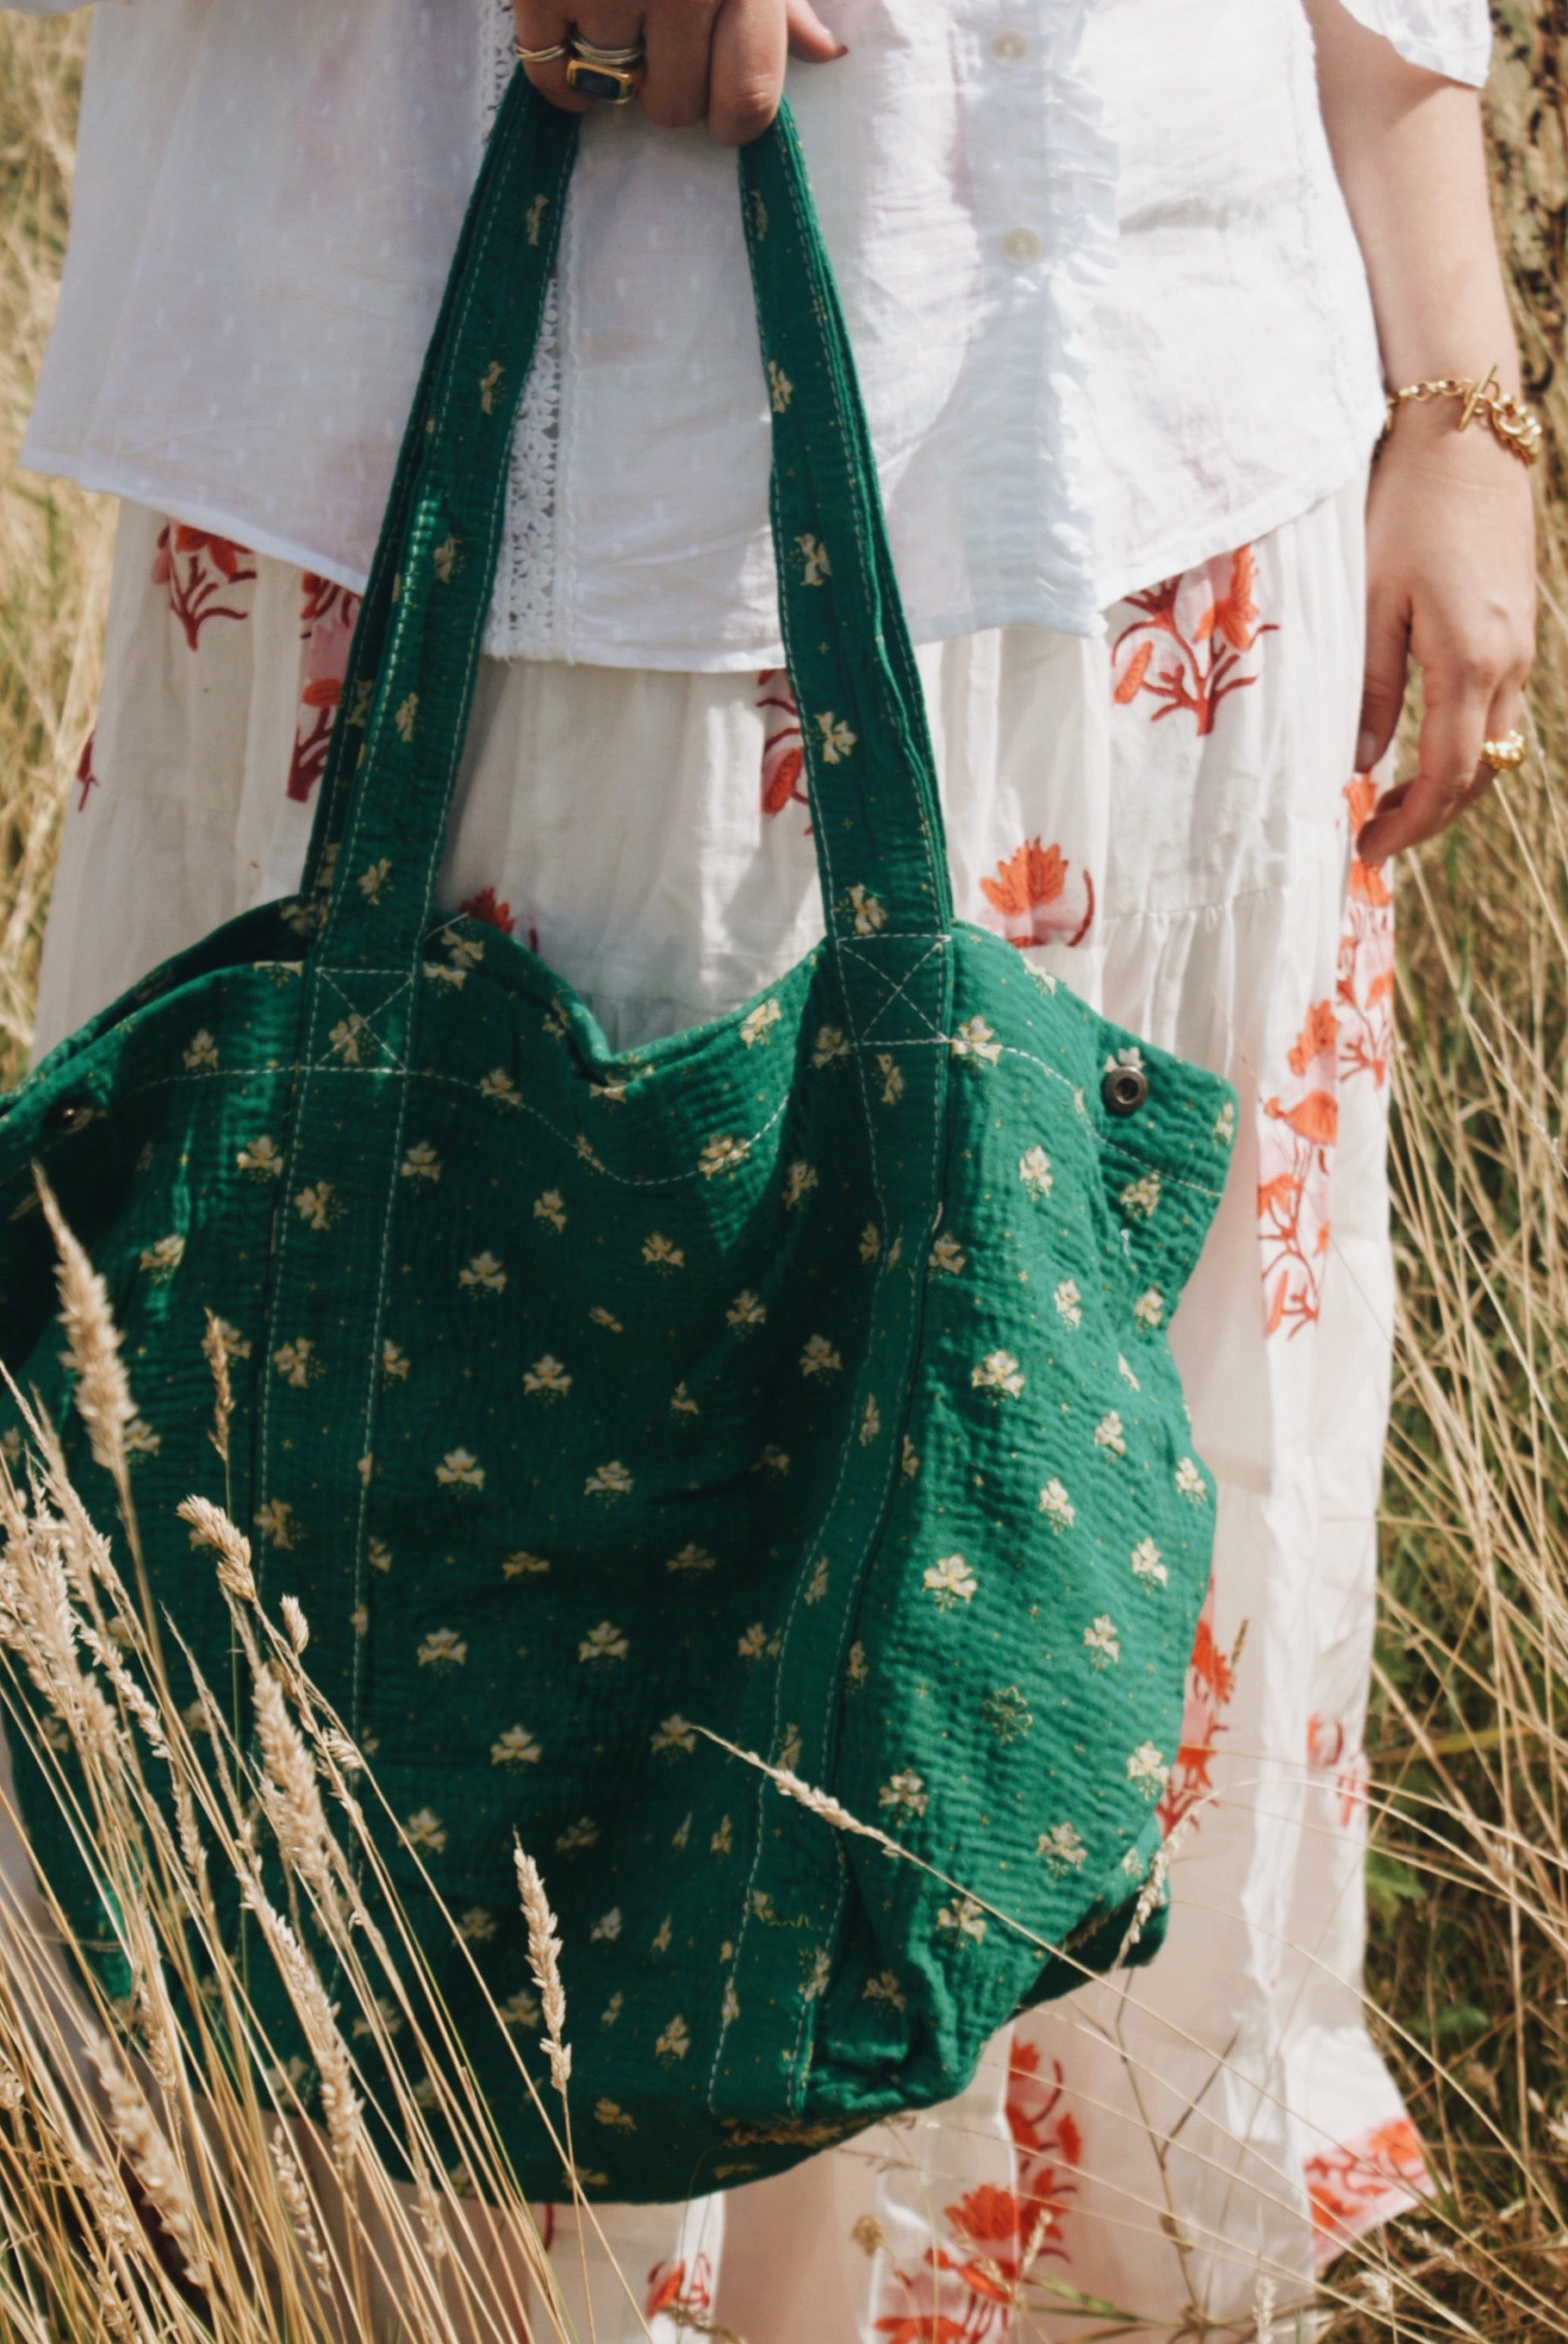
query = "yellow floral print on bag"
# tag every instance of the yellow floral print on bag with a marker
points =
(818, 1396)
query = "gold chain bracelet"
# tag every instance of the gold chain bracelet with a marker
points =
(1510, 421)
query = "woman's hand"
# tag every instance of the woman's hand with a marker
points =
(1451, 585)
(716, 61)
(1451, 551)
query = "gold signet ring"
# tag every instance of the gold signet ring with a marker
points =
(612, 77)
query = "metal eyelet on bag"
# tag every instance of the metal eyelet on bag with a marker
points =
(1124, 1090)
(65, 1113)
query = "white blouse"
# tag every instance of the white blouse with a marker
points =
(1107, 307)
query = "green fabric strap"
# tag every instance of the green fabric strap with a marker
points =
(409, 686)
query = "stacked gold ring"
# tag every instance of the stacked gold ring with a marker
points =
(1504, 756)
(610, 76)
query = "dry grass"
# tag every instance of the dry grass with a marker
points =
(55, 542)
(1469, 1734)
(166, 2170)
(1469, 1731)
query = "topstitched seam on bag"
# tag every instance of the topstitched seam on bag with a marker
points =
(845, 953)
(401, 981)
(849, 996)
(845, 950)
(323, 973)
(362, 659)
(497, 203)
(367, 1021)
(823, 1519)
(622, 1180)
(360, 801)
(308, 1018)
(1105, 1141)
(402, 620)
(866, 1559)
(373, 1364)
(824, 847)
(852, 952)
(934, 887)
(432, 859)
(814, 779)
(419, 527)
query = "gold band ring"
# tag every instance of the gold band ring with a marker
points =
(592, 54)
(1504, 756)
(541, 56)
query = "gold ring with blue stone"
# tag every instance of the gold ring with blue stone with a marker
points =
(610, 76)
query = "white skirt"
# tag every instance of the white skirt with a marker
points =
(1163, 818)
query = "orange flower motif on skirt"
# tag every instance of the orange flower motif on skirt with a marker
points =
(1365, 2181)
(783, 751)
(1211, 1685)
(198, 568)
(1300, 1127)
(487, 906)
(682, 2292)
(970, 2285)
(1048, 2147)
(1186, 644)
(1033, 899)
(327, 621)
(1365, 982)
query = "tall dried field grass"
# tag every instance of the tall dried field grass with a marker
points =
(1468, 1876)
(55, 542)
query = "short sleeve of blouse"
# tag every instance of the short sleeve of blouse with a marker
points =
(1452, 38)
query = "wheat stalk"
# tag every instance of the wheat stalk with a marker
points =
(544, 1962)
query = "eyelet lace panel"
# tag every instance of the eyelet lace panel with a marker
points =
(521, 622)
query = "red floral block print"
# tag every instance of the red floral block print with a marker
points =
(783, 750)
(327, 620)
(1364, 984)
(1368, 2181)
(969, 2283)
(85, 777)
(969, 2286)
(198, 569)
(1031, 898)
(679, 2292)
(1211, 1684)
(1349, 1035)
(1331, 1748)
(1187, 647)
(1296, 1173)
(1047, 2146)
(921, 2328)
(487, 906)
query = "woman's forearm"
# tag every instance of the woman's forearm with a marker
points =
(1449, 555)
(1409, 155)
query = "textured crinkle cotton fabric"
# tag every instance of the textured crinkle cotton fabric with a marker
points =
(1108, 310)
(1162, 820)
(707, 1368)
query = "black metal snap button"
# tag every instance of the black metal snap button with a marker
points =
(65, 1113)
(1124, 1090)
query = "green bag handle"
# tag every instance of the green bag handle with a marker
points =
(398, 737)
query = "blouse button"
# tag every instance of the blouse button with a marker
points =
(1022, 247)
(1009, 47)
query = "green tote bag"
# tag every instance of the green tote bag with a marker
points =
(803, 1377)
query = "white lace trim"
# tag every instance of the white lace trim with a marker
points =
(521, 622)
